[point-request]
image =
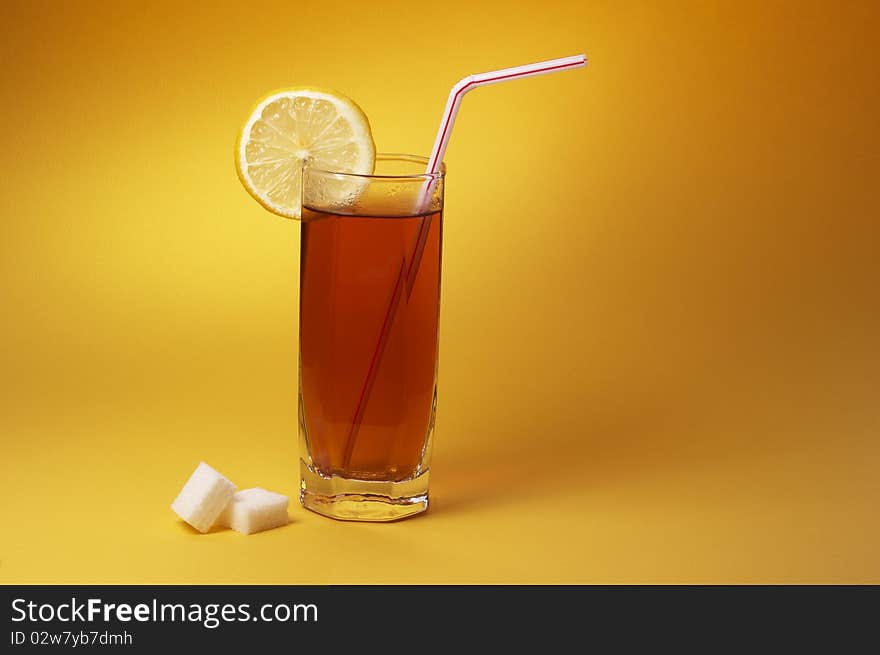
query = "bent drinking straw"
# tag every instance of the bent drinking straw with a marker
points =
(483, 79)
(442, 141)
(408, 273)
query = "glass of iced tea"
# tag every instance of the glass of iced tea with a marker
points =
(369, 317)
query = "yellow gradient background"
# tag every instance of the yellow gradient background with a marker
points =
(660, 346)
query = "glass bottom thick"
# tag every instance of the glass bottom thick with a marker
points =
(347, 499)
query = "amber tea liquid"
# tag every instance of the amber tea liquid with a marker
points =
(366, 414)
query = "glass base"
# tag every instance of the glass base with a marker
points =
(362, 500)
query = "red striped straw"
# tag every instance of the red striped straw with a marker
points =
(483, 79)
(408, 273)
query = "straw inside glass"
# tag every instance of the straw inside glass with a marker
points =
(407, 275)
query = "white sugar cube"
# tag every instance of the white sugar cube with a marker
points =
(202, 499)
(255, 510)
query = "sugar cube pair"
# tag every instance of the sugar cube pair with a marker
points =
(209, 499)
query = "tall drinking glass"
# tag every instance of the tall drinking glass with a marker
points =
(369, 317)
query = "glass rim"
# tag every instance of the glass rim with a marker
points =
(388, 156)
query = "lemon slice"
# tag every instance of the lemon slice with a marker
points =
(298, 126)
